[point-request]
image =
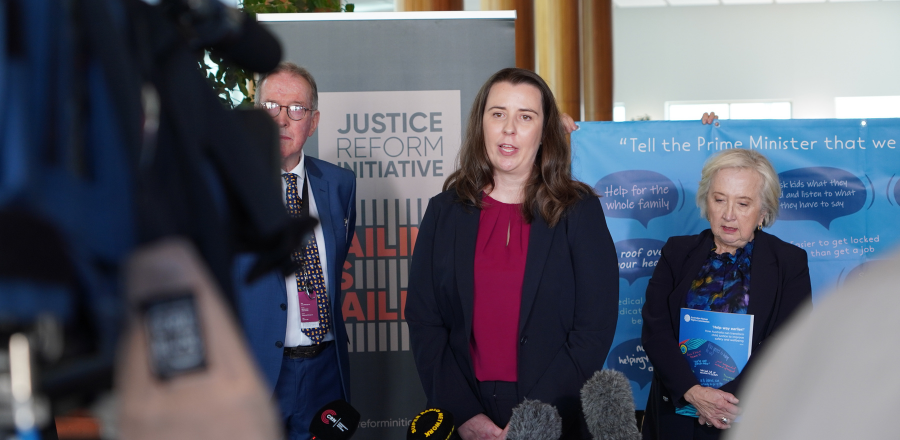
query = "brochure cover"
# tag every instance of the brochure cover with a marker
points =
(717, 346)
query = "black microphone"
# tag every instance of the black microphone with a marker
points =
(253, 47)
(335, 421)
(534, 420)
(608, 406)
(226, 31)
(432, 424)
(275, 251)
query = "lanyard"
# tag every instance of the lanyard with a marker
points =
(304, 209)
(304, 212)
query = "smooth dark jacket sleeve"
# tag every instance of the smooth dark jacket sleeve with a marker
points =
(596, 287)
(441, 374)
(659, 334)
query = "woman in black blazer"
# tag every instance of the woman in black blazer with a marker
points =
(547, 261)
(732, 267)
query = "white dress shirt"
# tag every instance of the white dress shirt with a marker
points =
(294, 336)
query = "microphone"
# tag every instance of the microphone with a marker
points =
(275, 251)
(432, 424)
(608, 406)
(534, 420)
(227, 31)
(253, 47)
(336, 420)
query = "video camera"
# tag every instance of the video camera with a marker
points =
(112, 142)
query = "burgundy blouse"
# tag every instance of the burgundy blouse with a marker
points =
(500, 253)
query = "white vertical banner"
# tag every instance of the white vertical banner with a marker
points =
(400, 144)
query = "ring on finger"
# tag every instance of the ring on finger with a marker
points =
(725, 420)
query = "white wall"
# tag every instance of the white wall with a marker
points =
(806, 53)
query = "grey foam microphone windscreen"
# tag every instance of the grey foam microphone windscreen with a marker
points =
(534, 420)
(608, 406)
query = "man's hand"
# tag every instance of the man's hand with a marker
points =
(709, 118)
(568, 123)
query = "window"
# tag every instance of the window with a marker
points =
(618, 112)
(867, 107)
(760, 110)
(690, 111)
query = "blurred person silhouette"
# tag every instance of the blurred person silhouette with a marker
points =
(828, 374)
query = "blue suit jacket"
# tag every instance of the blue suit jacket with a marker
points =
(262, 304)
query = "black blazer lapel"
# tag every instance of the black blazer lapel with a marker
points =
(764, 282)
(539, 240)
(464, 251)
(319, 188)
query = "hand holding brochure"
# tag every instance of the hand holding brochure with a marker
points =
(716, 345)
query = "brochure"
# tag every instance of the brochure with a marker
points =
(716, 345)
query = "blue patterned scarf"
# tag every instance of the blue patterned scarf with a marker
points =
(723, 283)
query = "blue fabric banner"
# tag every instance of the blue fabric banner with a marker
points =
(840, 199)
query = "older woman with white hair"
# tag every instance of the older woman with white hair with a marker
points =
(733, 267)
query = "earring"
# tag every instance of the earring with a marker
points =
(759, 227)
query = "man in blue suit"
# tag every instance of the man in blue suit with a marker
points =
(294, 323)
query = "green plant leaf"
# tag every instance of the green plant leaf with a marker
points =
(228, 79)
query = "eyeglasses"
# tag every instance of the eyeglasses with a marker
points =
(294, 111)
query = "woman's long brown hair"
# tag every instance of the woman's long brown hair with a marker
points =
(550, 190)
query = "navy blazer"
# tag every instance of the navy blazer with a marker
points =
(261, 304)
(779, 285)
(567, 318)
